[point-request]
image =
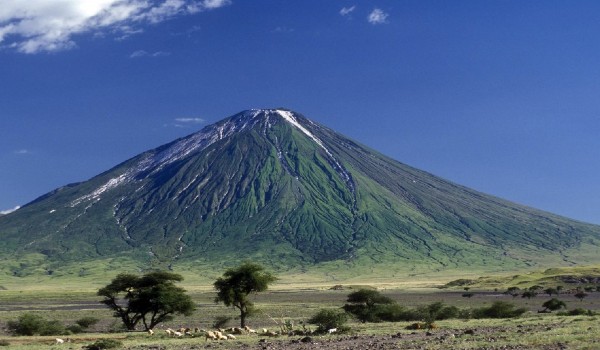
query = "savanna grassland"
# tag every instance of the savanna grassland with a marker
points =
(295, 303)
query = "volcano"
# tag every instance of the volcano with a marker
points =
(273, 186)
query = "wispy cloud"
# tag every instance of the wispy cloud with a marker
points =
(187, 122)
(346, 11)
(213, 4)
(377, 16)
(190, 120)
(143, 53)
(34, 26)
(8, 211)
(283, 30)
(22, 151)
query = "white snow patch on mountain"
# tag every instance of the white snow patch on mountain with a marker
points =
(112, 183)
(292, 120)
(8, 211)
(153, 161)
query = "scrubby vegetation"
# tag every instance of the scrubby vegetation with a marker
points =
(365, 312)
(328, 319)
(104, 344)
(499, 309)
(33, 324)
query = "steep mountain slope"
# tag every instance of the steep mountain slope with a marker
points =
(274, 186)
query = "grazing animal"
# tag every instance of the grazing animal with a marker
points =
(151, 332)
(332, 330)
(210, 335)
(169, 331)
(177, 334)
(230, 336)
(59, 341)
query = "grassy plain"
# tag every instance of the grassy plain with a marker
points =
(297, 300)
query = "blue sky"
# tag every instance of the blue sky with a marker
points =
(501, 96)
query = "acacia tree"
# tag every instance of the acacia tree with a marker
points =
(364, 304)
(580, 295)
(236, 285)
(554, 304)
(152, 298)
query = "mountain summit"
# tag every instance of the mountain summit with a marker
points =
(274, 186)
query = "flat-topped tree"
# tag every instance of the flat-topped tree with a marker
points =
(554, 304)
(236, 285)
(152, 298)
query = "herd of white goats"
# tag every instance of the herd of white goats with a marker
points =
(221, 334)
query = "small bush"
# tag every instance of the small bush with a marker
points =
(554, 304)
(87, 322)
(391, 313)
(4, 343)
(117, 327)
(577, 312)
(32, 324)
(104, 344)
(75, 328)
(437, 311)
(53, 328)
(327, 319)
(499, 309)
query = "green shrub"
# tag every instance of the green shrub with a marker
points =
(499, 309)
(554, 304)
(327, 319)
(87, 322)
(436, 311)
(391, 313)
(27, 324)
(577, 312)
(104, 344)
(32, 324)
(465, 314)
(75, 328)
(117, 327)
(4, 343)
(53, 328)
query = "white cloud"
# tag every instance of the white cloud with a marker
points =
(345, 11)
(213, 4)
(377, 16)
(190, 120)
(283, 30)
(143, 53)
(186, 122)
(22, 151)
(32, 26)
(8, 211)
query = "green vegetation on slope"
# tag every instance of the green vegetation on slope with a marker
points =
(271, 193)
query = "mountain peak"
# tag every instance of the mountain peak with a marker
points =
(270, 184)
